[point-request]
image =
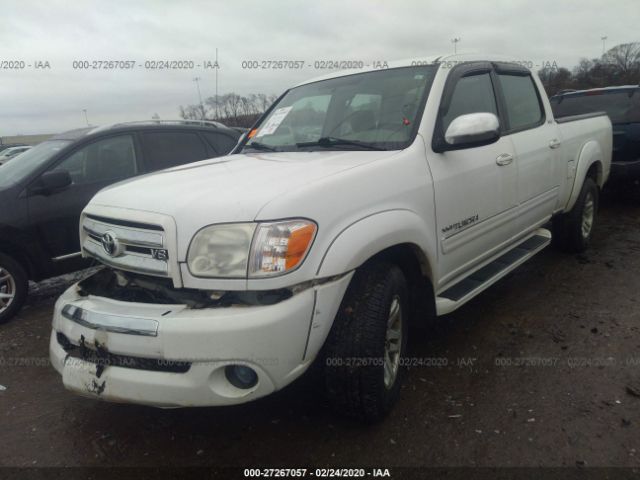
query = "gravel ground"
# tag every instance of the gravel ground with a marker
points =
(543, 369)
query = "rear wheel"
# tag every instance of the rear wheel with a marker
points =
(573, 230)
(363, 355)
(13, 287)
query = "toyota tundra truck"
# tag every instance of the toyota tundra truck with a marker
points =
(360, 203)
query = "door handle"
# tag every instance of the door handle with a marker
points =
(555, 143)
(504, 159)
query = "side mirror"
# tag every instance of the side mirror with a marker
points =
(472, 130)
(52, 181)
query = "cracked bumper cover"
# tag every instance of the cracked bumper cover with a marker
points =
(278, 341)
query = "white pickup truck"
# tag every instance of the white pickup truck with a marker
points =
(360, 203)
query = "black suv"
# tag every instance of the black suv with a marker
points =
(622, 104)
(44, 191)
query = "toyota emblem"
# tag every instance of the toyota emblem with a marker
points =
(110, 244)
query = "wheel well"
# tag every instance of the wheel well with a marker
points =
(21, 257)
(595, 172)
(417, 270)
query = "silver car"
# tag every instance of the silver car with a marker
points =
(12, 152)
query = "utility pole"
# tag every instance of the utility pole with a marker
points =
(455, 44)
(86, 119)
(197, 80)
(604, 39)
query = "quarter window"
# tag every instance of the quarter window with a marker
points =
(220, 142)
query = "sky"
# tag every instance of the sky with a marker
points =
(54, 34)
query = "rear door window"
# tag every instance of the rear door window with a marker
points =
(169, 149)
(522, 102)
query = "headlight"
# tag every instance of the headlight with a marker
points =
(257, 250)
(221, 250)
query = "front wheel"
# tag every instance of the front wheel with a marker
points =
(13, 287)
(363, 355)
(572, 231)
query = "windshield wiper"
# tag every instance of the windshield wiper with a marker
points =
(260, 146)
(328, 142)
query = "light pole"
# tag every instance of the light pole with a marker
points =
(217, 99)
(197, 80)
(86, 119)
(455, 44)
(604, 39)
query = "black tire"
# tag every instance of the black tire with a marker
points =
(353, 367)
(568, 234)
(18, 284)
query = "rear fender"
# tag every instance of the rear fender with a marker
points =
(590, 154)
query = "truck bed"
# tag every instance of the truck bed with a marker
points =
(582, 116)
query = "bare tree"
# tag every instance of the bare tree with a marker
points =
(625, 57)
(231, 109)
(555, 80)
(620, 65)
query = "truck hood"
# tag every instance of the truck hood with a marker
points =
(229, 189)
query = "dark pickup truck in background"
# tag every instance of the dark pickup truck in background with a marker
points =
(43, 194)
(622, 104)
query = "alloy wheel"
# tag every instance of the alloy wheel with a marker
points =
(393, 343)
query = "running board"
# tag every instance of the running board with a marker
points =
(463, 291)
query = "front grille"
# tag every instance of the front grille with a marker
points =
(131, 246)
(102, 358)
(126, 223)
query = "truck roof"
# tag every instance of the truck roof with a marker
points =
(427, 60)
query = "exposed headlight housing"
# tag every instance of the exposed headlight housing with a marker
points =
(221, 250)
(253, 250)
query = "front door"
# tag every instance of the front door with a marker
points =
(92, 167)
(475, 188)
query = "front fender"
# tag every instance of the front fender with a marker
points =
(363, 239)
(25, 249)
(591, 153)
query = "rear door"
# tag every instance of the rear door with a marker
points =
(475, 188)
(536, 142)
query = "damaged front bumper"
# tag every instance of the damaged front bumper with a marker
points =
(172, 355)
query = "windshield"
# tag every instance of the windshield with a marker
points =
(366, 111)
(621, 106)
(18, 168)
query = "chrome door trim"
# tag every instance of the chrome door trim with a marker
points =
(66, 257)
